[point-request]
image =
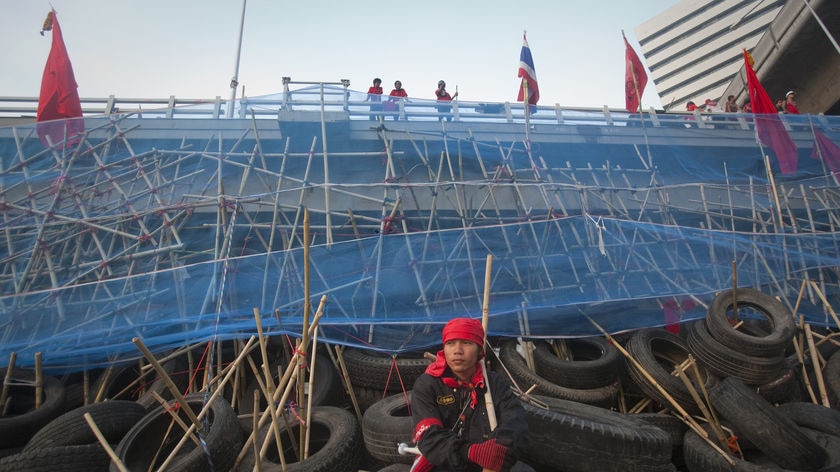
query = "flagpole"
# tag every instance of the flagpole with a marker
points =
(234, 82)
(527, 103)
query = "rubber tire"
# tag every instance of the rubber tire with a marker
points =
(572, 437)
(809, 415)
(78, 458)
(781, 320)
(525, 378)
(224, 439)
(376, 370)
(23, 420)
(777, 436)
(727, 362)
(387, 423)
(701, 457)
(114, 419)
(831, 375)
(595, 363)
(335, 444)
(652, 348)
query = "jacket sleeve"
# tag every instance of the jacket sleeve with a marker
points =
(512, 427)
(438, 444)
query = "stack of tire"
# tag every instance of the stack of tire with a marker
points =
(755, 351)
(794, 436)
(590, 373)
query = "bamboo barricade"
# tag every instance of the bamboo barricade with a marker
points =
(284, 385)
(687, 418)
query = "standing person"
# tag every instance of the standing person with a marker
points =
(443, 96)
(398, 94)
(731, 106)
(374, 96)
(452, 430)
(790, 103)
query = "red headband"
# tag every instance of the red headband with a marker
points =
(468, 329)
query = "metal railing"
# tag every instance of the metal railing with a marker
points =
(335, 101)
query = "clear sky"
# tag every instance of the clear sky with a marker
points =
(187, 48)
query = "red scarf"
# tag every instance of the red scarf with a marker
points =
(438, 368)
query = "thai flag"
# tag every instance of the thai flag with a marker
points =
(528, 74)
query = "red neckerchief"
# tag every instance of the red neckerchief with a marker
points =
(438, 368)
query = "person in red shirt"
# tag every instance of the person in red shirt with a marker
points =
(443, 96)
(790, 103)
(374, 97)
(397, 95)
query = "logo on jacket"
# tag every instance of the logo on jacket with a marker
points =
(446, 400)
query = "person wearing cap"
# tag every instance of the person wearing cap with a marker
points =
(374, 96)
(452, 430)
(443, 96)
(790, 103)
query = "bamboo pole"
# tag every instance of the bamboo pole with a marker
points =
(485, 315)
(312, 365)
(173, 389)
(825, 303)
(104, 442)
(815, 362)
(39, 380)
(339, 352)
(7, 380)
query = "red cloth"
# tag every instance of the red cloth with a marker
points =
(769, 126)
(59, 96)
(826, 150)
(468, 329)
(399, 93)
(635, 79)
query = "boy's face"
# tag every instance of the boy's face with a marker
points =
(462, 357)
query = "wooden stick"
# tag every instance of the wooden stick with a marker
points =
(825, 302)
(173, 389)
(700, 403)
(312, 365)
(269, 379)
(4, 394)
(104, 442)
(39, 380)
(254, 426)
(815, 362)
(339, 353)
(485, 316)
(799, 345)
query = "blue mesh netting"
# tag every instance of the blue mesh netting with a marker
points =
(175, 230)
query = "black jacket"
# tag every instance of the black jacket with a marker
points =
(446, 447)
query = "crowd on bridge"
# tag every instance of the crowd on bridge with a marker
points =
(783, 105)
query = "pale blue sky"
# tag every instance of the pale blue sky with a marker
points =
(187, 48)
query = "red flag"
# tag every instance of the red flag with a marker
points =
(528, 74)
(59, 98)
(635, 79)
(769, 126)
(826, 150)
